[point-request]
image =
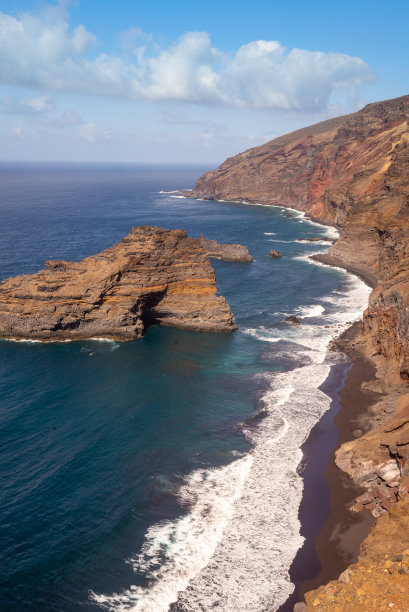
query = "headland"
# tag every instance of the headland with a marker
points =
(352, 172)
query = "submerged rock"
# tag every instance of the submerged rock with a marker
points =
(293, 320)
(153, 276)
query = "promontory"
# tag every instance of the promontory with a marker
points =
(152, 276)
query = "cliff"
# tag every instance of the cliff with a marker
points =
(352, 172)
(152, 276)
(380, 579)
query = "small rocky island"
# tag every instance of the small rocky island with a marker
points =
(227, 252)
(153, 276)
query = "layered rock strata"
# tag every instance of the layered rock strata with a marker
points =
(352, 172)
(152, 276)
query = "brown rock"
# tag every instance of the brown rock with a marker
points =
(293, 320)
(300, 607)
(226, 252)
(152, 276)
(380, 578)
(274, 253)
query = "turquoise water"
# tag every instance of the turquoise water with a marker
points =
(132, 470)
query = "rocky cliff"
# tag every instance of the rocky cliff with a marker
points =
(380, 579)
(152, 276)
(352, 172)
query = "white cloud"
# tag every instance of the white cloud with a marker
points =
(44, 53)
(94, 133)
(19, 132)
(14, 106)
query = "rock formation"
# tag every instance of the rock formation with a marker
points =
(227, 252)
(293, 320)
(352, 172)
(274, 253)
(152, 276)
(380, 579)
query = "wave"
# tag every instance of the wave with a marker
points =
(261, 333)
(263, 537)
(114, 345)
(175, 551)
(307, 312)
(276, 240)
(234, 547)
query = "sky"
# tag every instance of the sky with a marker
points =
(188, 82)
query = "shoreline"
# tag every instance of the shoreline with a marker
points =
(333, 534)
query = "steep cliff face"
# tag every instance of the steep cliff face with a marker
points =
(352, 172)
(152, 276)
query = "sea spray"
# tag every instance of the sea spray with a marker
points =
(175, 551)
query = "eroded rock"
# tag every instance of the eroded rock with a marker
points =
(153, 276)
(227, 252)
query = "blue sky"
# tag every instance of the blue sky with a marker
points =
(91, 80)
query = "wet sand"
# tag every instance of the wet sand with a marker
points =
(333, 533)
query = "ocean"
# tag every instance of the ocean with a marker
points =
(161, 474)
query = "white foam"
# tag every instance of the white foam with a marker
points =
(249, 570)
(307, 312)
(31, 341)
(24, 340)
(175, 551)
(261, 333)
(270, 234)
(233, 551)
(276, 240)
(322, 242)
(178, 196)
(175, 191)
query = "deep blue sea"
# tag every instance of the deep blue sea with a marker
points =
(162, 473)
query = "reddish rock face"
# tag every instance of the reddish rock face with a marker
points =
(152, 276)
(351, 172)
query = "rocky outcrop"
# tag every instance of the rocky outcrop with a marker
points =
(152, 276)
(273, 253)
(380, 579)
(227, 252)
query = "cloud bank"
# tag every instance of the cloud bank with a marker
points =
(47, 55)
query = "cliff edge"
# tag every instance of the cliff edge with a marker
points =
(153, 276)
(352, 172)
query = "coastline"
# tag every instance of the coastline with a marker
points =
(333, 534)
(354, 176)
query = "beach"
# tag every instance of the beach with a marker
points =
(333, 533)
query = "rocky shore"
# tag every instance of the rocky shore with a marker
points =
(153, 276)
(353, 172)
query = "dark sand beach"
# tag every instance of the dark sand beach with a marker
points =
(332, 532)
